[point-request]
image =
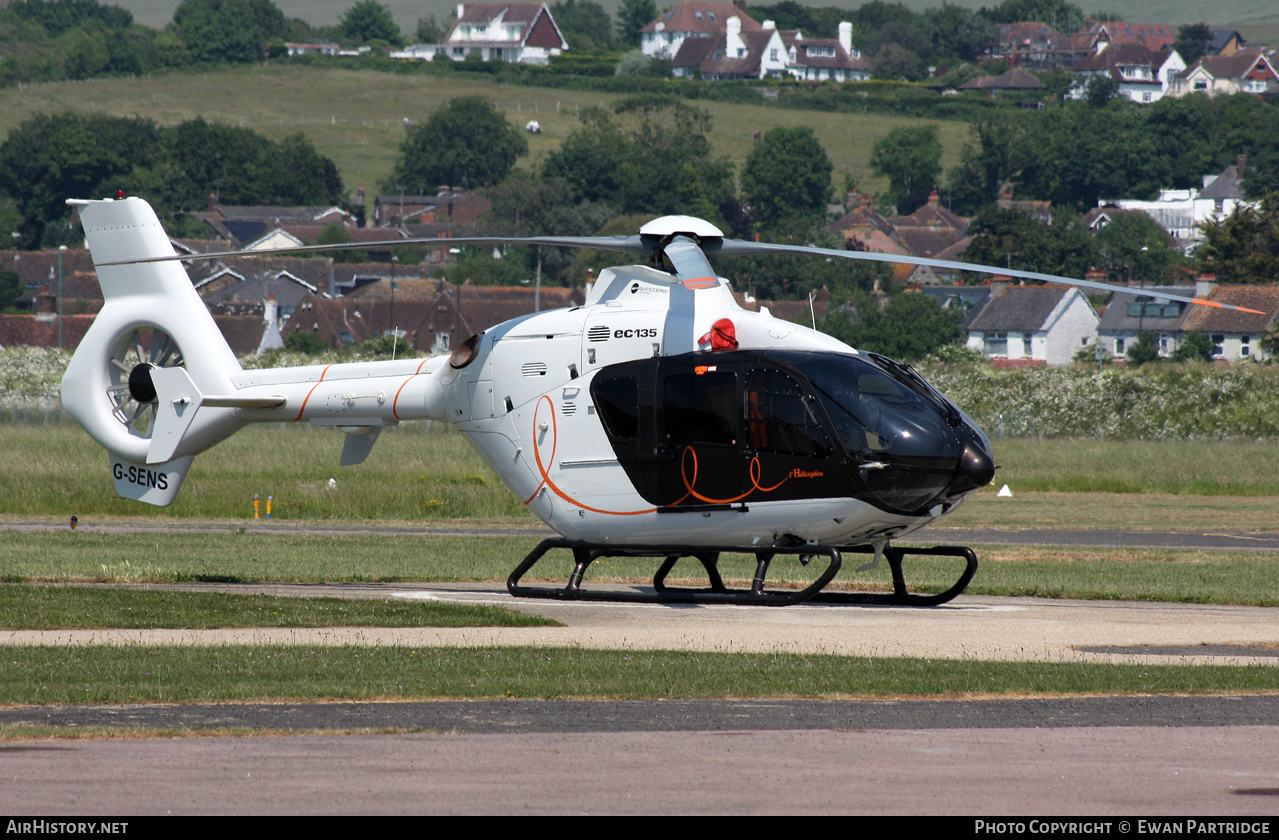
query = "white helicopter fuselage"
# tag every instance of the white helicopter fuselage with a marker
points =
(524, 403)
(658, 413)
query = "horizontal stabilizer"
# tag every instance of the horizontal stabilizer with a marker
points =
(177, 401)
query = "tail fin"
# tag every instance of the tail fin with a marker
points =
(135, 382)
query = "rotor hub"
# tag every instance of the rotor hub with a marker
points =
(141, 388)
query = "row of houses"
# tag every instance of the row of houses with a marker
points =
(1055, 325)
(262, 300)
(1013, 325)
(1145, 75)
(718, 40)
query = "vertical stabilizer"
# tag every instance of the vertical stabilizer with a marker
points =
(154, 331)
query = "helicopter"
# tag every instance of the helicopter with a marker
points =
(658, 419)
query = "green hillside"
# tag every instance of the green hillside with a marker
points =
(355, 117)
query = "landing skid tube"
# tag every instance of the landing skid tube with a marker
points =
(717, 593)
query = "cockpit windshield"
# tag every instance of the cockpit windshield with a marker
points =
(877, 414)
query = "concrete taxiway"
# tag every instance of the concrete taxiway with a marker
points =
(972, 627)
(1001, 756)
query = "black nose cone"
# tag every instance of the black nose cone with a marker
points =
(976, 468)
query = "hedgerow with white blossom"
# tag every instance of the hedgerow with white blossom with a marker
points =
(1152, 402)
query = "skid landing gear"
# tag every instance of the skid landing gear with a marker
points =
(717, 593)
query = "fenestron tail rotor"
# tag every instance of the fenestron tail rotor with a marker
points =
(135, 355)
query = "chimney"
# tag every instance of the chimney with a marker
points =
(846, 36)
(933, 197)
(461, 7)
(769, 24)
(1204, 284)
(213, 202)
(734, 46)
(270, 310)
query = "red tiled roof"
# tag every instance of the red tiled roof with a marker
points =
(709, 55)
(1212, 319)
(423, 309)
(1155, 36)
(1234, 66)
(1027, 33)
(30, 331)
(702, 16)
(1121, 53)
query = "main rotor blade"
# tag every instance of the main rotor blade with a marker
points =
(737, 247)
(626, 244)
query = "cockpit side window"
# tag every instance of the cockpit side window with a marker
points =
(700, 408)
(618, 402)
(779, 418)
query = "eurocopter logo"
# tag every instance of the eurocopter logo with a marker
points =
(640, 288)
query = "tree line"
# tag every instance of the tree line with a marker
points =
(1077, 154)
(642, 157)
(53, 157)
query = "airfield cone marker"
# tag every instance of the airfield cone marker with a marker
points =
(257, 504)
(1004, 491)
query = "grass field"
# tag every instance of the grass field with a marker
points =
(418, 473)
(78, 607)
(174, 675)
(354, 117)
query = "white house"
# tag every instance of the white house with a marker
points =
(835, 59)
(1144, 75)
(1236, 336)
(734, 55)
(1183, 212)
(1034, 325)
(1249, 70)
(1129, 314)
(514, 32)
